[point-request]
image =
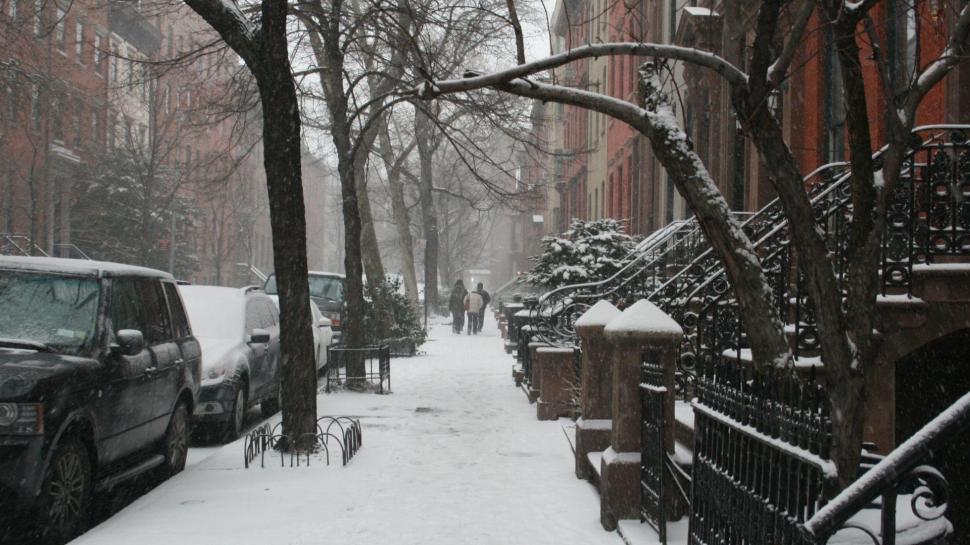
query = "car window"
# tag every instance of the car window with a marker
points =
(158, 325)
(270, 317)
(58, 311)
(327, 287)
(126, 307)
(253, 318)
(180, 323)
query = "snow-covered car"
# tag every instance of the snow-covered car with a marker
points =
(99, 372)
(322, 332)
(240, 336)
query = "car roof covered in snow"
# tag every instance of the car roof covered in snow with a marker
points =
(326, 273)
(84, 267)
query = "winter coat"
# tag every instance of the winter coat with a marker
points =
(474, 302)
(486, 298)
(457, 301)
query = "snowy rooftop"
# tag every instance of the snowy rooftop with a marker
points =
(644, 320)
(76, 267)
(598, 315)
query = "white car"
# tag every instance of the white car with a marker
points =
(322, 332)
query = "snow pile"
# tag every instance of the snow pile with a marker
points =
(598, 315)
(645, 320)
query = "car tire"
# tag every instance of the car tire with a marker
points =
(175, 446)
(65, 498)
(270, 406)
(237, 418)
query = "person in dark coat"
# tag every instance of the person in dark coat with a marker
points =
(456, 304)
(486, 299)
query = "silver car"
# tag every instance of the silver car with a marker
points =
(240, 336)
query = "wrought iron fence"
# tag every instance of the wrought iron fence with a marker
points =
(761, 465)
(367, 365)
(299, 450)
(653, 456)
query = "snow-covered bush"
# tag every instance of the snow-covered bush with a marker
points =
(404, 324)
(589, 251)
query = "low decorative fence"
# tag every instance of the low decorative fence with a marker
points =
(761, 465)
(341, 431)
(367, 365)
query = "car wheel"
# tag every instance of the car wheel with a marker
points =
(238, 417)
(270, 406)
(176, 445)
(66, 494)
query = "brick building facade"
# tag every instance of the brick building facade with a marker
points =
(76, 88)
(621, 177)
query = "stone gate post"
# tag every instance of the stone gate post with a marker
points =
(639, 327)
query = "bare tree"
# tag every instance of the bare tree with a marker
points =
(261, 42)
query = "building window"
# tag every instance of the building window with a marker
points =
(60, 34)
(39, 17)
(95, 126)
(114, 65)
(57, 118)
(12, 8)
(78, 116)
(98, 55)
(34, 107)
(79, 42)
(10, 102)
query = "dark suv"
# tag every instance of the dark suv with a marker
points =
(99, 374)
(326, 290)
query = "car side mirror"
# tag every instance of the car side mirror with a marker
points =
(325, 322)
(259, 336)
(128, 342)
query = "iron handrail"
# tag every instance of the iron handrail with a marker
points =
(885, 476)
(781, 225)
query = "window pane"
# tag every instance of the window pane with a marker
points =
(157, 323)
(57, 311)
(125, 306)
(179, 323)
(253, 319)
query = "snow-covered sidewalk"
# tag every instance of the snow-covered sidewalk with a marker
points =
(454, 455)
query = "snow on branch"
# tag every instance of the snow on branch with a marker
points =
(225, 17)
(936, 70)
(731, 73)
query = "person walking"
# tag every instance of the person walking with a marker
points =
(486, 299)
(456, 304)
(473, 304)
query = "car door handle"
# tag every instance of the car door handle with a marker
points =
(179, 361)
(151, 369)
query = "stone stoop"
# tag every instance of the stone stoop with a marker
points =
(592, 437)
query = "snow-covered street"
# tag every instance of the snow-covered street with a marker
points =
(454, 455)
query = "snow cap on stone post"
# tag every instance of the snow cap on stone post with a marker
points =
(644, 321)
(597, 316)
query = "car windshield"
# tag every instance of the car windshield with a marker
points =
(214, 312)
(321, 287)
(55, 312)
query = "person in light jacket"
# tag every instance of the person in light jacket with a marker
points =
(456, 304)
(473, 304)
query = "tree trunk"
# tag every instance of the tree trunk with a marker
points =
(281, 141)
(429, 217)
(402, 219)
(369, 248)
(265, 53)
